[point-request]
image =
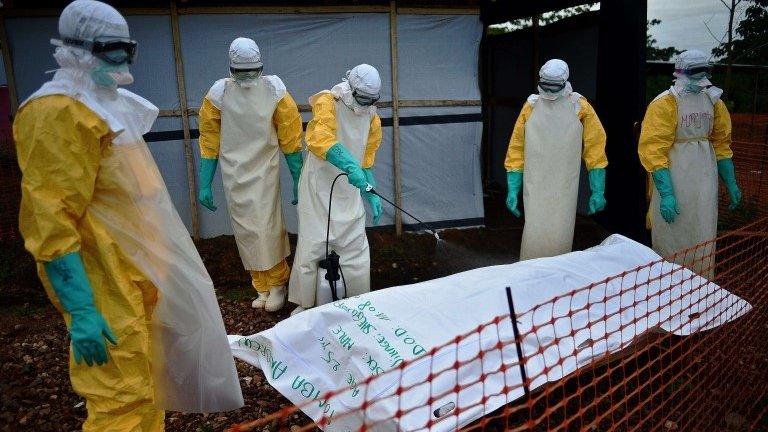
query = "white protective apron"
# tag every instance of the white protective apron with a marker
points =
(693, 168)
(250, 168)
(553, 137)
(347, 232)
(193, 368)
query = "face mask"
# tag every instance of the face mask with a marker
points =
(692, 87)
(111, 76)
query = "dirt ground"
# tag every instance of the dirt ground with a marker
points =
(35, 393)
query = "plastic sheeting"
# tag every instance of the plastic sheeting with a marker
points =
(438, 57)
(340, 345)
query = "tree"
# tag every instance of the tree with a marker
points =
(653, 52)
(543, 19)
(752, 45)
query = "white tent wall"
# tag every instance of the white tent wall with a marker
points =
(438, 57)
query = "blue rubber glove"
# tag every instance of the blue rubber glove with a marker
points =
(597, 185)
(668, 205)
(728, 174)
(205, 193)
(88, 328)
(373, 199)
(514, 184)
(340, 157)
(295, 163)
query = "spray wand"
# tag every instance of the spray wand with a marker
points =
(369, 188)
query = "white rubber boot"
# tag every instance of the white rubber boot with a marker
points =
(298, 310)
(260, 301)
(276, 299)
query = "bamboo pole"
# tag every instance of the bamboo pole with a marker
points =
(8, 64)
(185, 120)
(395, 118)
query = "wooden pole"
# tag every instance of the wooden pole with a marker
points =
(8, 63)
(395, 118)
(191, 184)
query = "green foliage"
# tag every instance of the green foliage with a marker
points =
(653, 52)
(751, 47)
(544, 19)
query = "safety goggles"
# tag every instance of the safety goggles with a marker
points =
(246, 74)
(551, 87)
(698, 72)
(111, 49)
(364, 99)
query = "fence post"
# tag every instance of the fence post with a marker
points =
(395, 118)
(190, 161)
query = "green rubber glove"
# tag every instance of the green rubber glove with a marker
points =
(514, 184)
(205, 193)
(597, 185)
(668, 205)
(340, 157)
(88, 328)
(373, 199)
(728, 174)
(295, 162)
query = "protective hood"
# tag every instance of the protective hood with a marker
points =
(244, 54)
(343, 92)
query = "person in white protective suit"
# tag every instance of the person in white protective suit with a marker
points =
(113, 255)
(555, 129)
(685, 142)
(342, 137)
(246, 121)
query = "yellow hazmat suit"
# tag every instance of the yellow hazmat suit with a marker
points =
(548, 137)
(687, 134)
(359, 130)
(286, 122)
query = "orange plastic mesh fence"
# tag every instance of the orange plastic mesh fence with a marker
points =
(711, 376)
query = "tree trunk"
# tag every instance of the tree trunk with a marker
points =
(729, 50)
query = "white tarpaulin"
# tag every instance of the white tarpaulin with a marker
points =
(564, 326)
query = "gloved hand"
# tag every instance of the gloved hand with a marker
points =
(728, 174)
(597, 185)
(295, 163)
(373, 199)
(514, 184)
(205, 193)
(88, 328)
(668, 205)
(340, 157)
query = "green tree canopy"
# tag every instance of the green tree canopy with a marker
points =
(653, 52)
(751, 47)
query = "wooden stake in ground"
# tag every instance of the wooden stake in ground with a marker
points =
(395, 118)
(191, 183)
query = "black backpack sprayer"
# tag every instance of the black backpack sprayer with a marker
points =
(331, 263)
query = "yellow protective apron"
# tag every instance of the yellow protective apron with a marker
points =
(693, 168)
(250, 167)
(553, 137)
(347, 232)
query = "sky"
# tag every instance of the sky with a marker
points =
(683, 22)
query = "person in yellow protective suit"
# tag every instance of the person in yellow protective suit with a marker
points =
(684, 142)
(113, 255)
(554, 129)
(245, 121)
(342, 137)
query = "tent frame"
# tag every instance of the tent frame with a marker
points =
(174, 10)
